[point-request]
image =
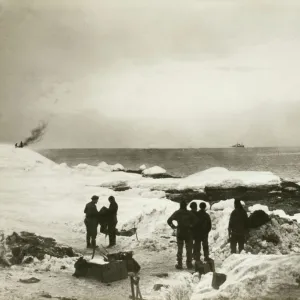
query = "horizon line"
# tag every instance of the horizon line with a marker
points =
(162, 148)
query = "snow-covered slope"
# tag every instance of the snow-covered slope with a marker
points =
(40, 196)
(223, 178)
(254, 277)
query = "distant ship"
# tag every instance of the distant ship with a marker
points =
(238, 145)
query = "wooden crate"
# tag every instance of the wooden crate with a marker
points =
(113, 271)
(110, 272)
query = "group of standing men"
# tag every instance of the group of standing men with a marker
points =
(193, 228)
(93, 219)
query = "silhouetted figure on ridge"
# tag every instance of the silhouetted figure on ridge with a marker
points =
(238, 227)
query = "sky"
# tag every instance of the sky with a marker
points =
(150, 73)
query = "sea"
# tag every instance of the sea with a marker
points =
(284, 162)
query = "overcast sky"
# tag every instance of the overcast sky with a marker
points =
(151, 73)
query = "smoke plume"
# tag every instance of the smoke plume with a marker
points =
(36, 134)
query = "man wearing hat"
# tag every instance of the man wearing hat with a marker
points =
(91, 222)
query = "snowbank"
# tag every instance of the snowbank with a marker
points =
(42, 197)
(142, 167)
(254, 277)
(225, 204)
(223, 178)
(117, 167)
(154, 171)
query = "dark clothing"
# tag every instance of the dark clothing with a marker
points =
(91, 231)
(201, 231)
(197, 248)
(204, 224)
(112, 222)
(238, 222)
(112, 233)
(238, 228)
(195, 228)
(237, 239)
(91, 210)
(112, 212)
(91, 223)
(189, 250)
(186, 221)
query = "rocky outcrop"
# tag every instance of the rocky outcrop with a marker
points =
(258, 218)
(187, 195)
(277, 236)
(154, 176)
(23, 247)
(158, 176)
(283, 196)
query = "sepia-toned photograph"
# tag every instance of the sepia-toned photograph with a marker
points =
(150, 149)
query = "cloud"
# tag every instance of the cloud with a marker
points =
(183, 65)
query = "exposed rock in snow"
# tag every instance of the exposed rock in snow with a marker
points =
(258, 218)
(29, 244)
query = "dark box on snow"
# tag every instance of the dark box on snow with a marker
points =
(110, 272)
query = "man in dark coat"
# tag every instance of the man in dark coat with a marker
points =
(238, 227)
(91, 222)
(186, 220)
(112, 221)
(203, 228)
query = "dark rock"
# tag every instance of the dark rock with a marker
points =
(186, 195)
(30, 280)
(63, 267)
(46, 295)
(134, 171)
(28, 260)
(161, 275)
(258, 218)
(272, 237)
(158, 286)
(29, 244)
(121, 188)
(159, 176)
(287, 184)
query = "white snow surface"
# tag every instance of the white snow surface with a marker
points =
(254, 277)
(154, 171)
(221, 177)
(40, 196)
(143, 167)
